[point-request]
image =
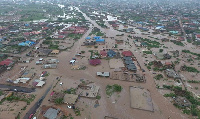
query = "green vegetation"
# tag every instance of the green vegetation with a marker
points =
(187, 51)
(177, 43)
(27, 99)
(193, 81)
(160, 50)
(147, 52)
(77, 112)
(189, 40)
(102, 24)
(58, 101)
(169, 95)
(158, 77)
(97, 32)
(193, 109)
(98, 97)
(70, 91)
(191, 69)
(151, 44)
(1, 92)
(116, 46)
(82, 51)
(75, 36)
(110, 89)
(159, 69)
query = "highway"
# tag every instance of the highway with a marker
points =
(36, 105)
(17, 88)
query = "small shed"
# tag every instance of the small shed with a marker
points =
(55, 52)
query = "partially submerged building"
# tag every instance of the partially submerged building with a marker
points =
(89, 90)
(51, 113)
(182, 101)
(49, 66)
(172, 74)
(103, 74)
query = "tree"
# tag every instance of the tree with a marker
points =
(160, 50)
(58, 101)
(117, 88)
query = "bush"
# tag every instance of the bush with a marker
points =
(82, 51)
(158, 77)
(58, 101)
(169, 95)
(98, 97)
(160, 50)
(117, 88)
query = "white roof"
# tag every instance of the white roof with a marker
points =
(40, 84)
(103, 74)
(72, 61)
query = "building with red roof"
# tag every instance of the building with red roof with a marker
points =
(103, 53)
(95, 62)
(6, 62)
(127, 53)
(197, 37)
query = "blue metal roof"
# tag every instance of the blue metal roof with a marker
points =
(100, 40)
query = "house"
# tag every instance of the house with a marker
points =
(49, 66)
(119, 41)
(70, 99)
(26, 43)
(88, 43)
(172, 74)
(143, 44)
(182, 101)
(44, 46)
(127, 53)
(40, 83)
(52, 61)
(21, 80)
(51, 113)
(165, 40)
(88, 38)
(96, 37)
(28, 74)
(95, 62)
(100, 41)
(173, 32)
(180, 38)
(44, 52)
(38, 62)
(55, 52)
(131, 67)
(167, 56)
(111, 53)
(103, 74)
(7, 63)
(103, 54)
(129, 30)
(25, 60)
(197, 37)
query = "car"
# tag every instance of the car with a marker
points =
(31, 115)
(143, 70)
